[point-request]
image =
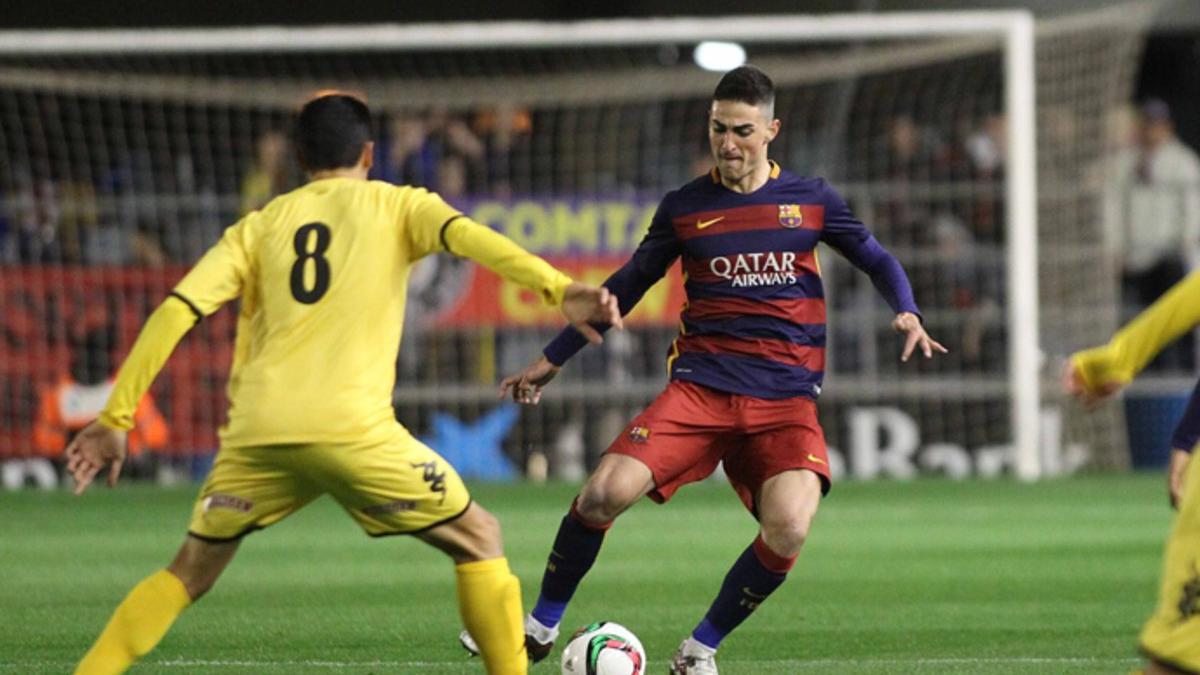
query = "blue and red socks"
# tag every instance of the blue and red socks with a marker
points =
(755, 575)
(575, 549)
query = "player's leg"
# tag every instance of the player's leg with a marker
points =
(489, 595)
(618, 482)
(401, 486)
(1171, 636)
(780, 470)
(246, 490)
(787, 503)
(145, 615)
(670, 444)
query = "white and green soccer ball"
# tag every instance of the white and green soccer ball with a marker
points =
(604, 648)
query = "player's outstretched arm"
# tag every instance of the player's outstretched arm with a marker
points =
(915, 336)
(584, 305)
(526, 386)
(93, 448)
(1095, 374)
(103, 441)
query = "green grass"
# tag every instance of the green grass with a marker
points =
(929, 576)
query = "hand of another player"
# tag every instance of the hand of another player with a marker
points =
(915, 336)
(584, 305)
(1175, 471)
(526, 386)
(90, 450)
(1073, 384)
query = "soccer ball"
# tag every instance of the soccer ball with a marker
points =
(604, 648)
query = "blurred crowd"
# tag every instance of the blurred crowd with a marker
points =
(932, 193)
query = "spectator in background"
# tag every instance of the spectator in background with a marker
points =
(505, 132)
(77, 398)
(1152, 217)
(271, 173)
(416, 147)
(35, 219)
(911, 157)
(145, 246)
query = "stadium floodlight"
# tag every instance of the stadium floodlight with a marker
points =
(719, 57)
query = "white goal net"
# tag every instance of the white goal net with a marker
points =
(123, 155)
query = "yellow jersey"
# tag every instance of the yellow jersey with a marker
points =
(321, 273)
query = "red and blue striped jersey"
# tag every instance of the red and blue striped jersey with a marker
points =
(754, 322)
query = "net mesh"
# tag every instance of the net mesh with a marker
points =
(117, 170)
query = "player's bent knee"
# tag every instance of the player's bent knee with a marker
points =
(602, 501)
(199, 564)
(475, 535)
(785, 536)
(485, 530)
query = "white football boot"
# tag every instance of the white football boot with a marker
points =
(539, 640)
(693, 658)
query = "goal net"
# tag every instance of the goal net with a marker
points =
(123, 155)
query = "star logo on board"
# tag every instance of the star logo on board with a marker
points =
(475, 449)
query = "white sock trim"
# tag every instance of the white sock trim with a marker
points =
(693, 646)
(539, 631)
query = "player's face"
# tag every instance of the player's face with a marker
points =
(738, 134)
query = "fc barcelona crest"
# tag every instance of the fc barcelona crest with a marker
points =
(790, 215)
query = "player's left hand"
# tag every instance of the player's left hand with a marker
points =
(90, 450)
(915, 336)
(1175, 472)
(584, 305)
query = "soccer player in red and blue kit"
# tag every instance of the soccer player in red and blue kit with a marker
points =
(745, 370)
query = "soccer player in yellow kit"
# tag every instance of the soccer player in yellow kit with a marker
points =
(321, 273)
(1171, 637)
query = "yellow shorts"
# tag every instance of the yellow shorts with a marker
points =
(1172, 634)
(399, 486)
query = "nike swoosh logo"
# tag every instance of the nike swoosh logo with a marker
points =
(814, 458)
(700, 225)
(752, 594)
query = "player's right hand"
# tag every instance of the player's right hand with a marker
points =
(1175, 472)
(1074, 385)
(90, 450)
(526, 386)
(584, 305)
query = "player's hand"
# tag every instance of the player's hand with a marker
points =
(584, 305)
(1175, 471)
(915, 336)
(526, 386)
(1074, 385)
(90, 450)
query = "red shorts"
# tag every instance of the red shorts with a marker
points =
(689, 428)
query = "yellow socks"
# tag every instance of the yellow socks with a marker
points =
(137, 625)
(489, 599)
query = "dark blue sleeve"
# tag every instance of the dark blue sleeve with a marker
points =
(850, 237)
(650, 262)
(1187, 432)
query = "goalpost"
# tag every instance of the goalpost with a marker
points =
(83, 111)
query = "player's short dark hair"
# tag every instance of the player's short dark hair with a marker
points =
(746, 84)
(330, 132)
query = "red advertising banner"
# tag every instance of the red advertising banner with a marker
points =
(46, 314)
(47, 311)
(493, 301)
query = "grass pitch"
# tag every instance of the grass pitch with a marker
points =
(929, 576)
